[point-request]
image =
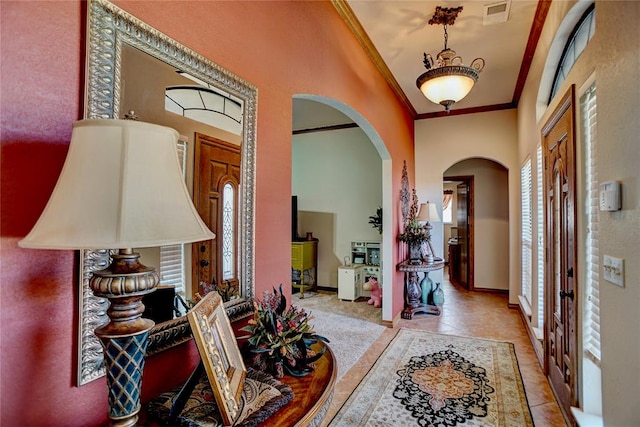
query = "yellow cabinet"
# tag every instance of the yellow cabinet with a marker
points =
(304, 258)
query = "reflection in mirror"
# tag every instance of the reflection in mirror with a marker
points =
(127, 64)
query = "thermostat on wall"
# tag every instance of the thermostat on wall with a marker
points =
(610, 196)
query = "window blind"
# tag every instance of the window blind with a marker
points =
(171, 269)
(540, 235)
(592, 290)
(525, 179)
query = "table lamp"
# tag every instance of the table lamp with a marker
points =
(427, 214)
(121, 187)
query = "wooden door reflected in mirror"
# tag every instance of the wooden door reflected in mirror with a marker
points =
(216, 186)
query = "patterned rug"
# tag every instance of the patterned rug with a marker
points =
(349, 336)
(428, 379)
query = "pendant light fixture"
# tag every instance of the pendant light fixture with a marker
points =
(447, 80)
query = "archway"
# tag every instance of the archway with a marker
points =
(358, 124)
(483, 219)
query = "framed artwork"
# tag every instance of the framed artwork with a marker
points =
(220, 354)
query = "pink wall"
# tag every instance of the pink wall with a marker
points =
(283, 48)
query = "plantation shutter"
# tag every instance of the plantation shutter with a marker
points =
(540, 235)
(172, 256)
(592, 304)
(525, 175)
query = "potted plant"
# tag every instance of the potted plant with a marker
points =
(414, 234)
(376, 220)
(280, 338)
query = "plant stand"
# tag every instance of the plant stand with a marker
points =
(412, 293)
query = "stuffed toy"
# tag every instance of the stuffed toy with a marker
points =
(376, 292)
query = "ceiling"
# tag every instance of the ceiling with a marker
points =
(396, 33)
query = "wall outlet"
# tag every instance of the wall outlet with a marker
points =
(613, 270)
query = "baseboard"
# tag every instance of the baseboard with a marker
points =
(327, 289)
(388, 324)
(494, 291)
(537, 346)
(394, 322)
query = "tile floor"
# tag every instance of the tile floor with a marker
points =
(476, 314)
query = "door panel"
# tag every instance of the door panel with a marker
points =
(463, 234)
(561, 284)
(217, 164)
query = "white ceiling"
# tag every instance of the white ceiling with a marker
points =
(400, 33)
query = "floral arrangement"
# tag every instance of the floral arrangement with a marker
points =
(280, 338)
(414, 234)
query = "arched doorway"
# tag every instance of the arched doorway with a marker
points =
(341, 119)
(477, 234)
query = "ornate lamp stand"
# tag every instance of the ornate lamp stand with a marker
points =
(124, 338)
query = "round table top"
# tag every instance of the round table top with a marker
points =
(437, 264)
(312, 395)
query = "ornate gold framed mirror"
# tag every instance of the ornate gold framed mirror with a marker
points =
(110, 30)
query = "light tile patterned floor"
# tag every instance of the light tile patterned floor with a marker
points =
(475, 314)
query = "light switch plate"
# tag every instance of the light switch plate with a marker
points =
(613, 270)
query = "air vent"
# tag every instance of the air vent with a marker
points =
(496, 13)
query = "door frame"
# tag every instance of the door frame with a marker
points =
(468, 180)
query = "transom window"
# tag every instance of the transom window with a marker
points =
(577, 42)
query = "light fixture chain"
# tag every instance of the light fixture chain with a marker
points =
(446, 36)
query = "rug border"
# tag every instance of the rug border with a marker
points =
(511, 347)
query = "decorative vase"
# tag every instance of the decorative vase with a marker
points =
(415, 253)
(438, 295)
(426, 284)
(413, 291)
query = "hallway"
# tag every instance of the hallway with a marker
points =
(476, 314)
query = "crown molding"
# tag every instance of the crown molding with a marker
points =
(347, 15)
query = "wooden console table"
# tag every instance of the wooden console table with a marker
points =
(312, 396)
(412, 292)
(311, 399)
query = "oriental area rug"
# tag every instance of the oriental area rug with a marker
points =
(429, 379)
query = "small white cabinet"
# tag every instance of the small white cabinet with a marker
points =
(350, 281)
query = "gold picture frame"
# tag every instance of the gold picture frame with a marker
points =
(220, 354)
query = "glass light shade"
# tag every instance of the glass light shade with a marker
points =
(120, 187)
(428, 213)
(451, 87)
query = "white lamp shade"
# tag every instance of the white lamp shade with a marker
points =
(447, 88)
(428, 213)
(120, 187)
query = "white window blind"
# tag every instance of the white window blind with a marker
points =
(540, 235)
(525, 176)
(172, 256)
(592, 291)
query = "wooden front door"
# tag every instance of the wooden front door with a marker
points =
(216, 193)
(560, 278)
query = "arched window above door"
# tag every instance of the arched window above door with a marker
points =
(578, 39)
(570, 40)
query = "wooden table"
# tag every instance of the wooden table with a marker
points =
(311, 395)
(412, 290)
(311, 399)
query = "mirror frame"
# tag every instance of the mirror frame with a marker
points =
(108, 27)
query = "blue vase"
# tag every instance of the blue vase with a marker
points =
(426, 285)
(438, 295)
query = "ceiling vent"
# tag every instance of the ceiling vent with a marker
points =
(496, 13)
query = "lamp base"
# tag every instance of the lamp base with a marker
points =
(125, 338)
